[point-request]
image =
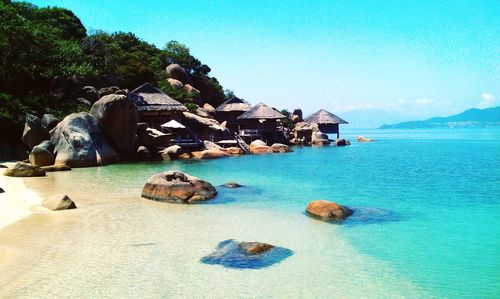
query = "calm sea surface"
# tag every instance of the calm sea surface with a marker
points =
(426, 224)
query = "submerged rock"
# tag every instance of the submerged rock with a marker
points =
(59, 202)
(364, 139)
(342, 142)
(177, 187)
(328, 210)
(232, 185)
(246, 255)
(21, 169)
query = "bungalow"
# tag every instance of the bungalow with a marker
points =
(327, 122)
(230, 110)
(154, 106)
(261, 122)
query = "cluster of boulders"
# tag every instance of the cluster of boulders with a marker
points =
(260, 147)
(179, 79)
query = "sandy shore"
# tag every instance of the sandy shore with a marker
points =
(17, 201)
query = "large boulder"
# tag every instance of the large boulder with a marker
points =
(117, 116)
(176, 71)
(34, 133)
(328, 210)
(280, 148)
(259, 147)
(178, 187)
(21, 169)
(209, 154)
(79, 142)
(176, 84)
(58, 203)
(257, 143)
(171, 153)
(90, 93)
(342, 142)
(49, 121)
(319, 138)
(42, 154)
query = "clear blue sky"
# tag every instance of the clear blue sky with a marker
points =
(420, 58)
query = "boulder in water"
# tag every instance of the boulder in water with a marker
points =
(209, 154)
(280, 148)
(232, 185)
(328, 210)
(42, 154)
(177, 187)
(21, 169)
(342, 142)
(364, 139)
(59, 202)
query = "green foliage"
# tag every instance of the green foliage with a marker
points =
(287, 122)
(191, 106)
(228, 94)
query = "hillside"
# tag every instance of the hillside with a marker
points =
(469, 118)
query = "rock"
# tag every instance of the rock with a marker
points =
(204, 126)
(297, 112)
(2, 191)
(42, 154)
(21, 169)
(176, 71)
(152, 138)
(34, 133)
(318, 138)
(59, 202)
(224, 124)
(89, 93)
(175, 83)
(259, 147)
(52, 168)
(280, 148)
(255, 247)
(117, 117)
(246, 255)
(210, 145)
(143, 154)
(191, 91)
(203, 113)
(328, 210)
(296, 119)
(208, 107)
(108, 90)
(171, 153)
(209, 154)
(364, 139)
(79, 142)
(173, 186)
(232, 185)
(84, 102)
(342, 142)
(233, 150)
(184, 156)
(256, 143)
(49, 121)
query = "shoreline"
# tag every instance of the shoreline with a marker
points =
(18, 201)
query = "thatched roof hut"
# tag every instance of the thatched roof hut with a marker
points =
(261, 111)
(324, 117)
(327, 122)
(234, 104)
(149, 98)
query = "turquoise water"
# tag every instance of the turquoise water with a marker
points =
(426, 221)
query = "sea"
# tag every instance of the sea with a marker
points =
(426, 224)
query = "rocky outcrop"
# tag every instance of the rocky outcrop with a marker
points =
(209, 154)
(232, 185)
(117, 117)
(49, 121)
(192, 92)
(52, 168)
(319, 138)
(34, 133)
(204, 126)
(42, 154)
(21, 169)
(255, 247)
(58, 203)
(342, 142)
(280, 148)
(364, 139)
(328, 210)
(175, 83)
(79, 142)
(177, 72)
(209, 108)
(177, 187)
(171, 153)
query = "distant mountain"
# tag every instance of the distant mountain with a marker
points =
(373, 118)
(469, 118)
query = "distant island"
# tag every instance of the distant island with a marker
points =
(470, 118)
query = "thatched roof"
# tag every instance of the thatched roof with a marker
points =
(261, 111)
(324, 117)
(149, 98)
(234, 104)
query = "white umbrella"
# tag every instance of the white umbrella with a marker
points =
(173, 125)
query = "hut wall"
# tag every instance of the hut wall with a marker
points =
(329, 128)
(231, 118)
(156, 118)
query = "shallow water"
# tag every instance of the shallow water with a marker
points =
(425, 225)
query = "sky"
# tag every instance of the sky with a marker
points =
(417, 58)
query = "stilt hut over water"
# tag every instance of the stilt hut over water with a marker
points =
(155, 107)
(230, 110)
(327, 122)
(261, 122)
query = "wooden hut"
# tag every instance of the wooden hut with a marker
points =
(230, 110)
(327, 122)
(261, 122)
(154, 106)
